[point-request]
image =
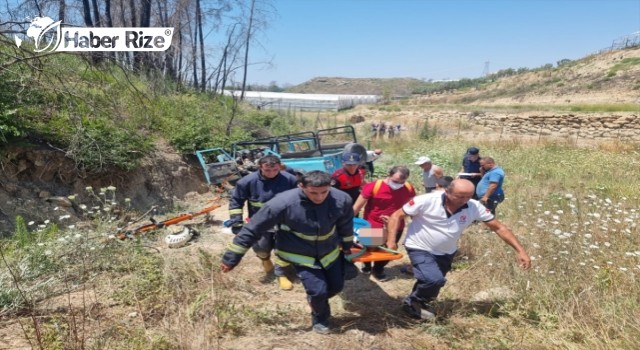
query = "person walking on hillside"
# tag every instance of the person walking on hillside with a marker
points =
(372, 156)
(438, 220)
(430, 173)
(441, 185)
(314, 231)
(471, 167)
(256, 189)
(350, 177)
(489, 189)
(380, 199)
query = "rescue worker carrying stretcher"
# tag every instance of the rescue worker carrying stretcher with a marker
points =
(314, 231)
(257, 188)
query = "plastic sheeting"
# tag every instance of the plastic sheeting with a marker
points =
(307, 102)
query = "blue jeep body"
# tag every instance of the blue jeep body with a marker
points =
(305, 151)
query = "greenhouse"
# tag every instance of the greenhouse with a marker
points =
(304, 102)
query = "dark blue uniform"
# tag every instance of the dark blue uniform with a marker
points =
(257, 190)
(472, 167)
(310, 236)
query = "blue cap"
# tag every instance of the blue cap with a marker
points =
(351, 158)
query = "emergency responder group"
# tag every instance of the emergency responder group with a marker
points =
(309, 223)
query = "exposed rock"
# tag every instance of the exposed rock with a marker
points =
(494, 294)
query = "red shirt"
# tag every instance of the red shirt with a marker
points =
(385, 202)
(349, 183)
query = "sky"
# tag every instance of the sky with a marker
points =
(431, 39)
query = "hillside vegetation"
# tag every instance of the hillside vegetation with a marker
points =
(70, 285)
(611, 78)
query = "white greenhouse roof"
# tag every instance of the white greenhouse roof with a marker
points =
(286, 100)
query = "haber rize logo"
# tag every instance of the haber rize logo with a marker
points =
(41, 28)
(51, 36)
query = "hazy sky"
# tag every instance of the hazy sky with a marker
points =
(432, 39)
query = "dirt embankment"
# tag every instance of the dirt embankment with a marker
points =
(36, 183)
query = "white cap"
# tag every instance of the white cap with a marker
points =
(422, 160)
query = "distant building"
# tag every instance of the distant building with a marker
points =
(304, 102)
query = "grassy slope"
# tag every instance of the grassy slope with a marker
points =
(575, 209)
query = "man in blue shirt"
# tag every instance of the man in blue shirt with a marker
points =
(489, 189)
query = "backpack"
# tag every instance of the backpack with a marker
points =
(376, 187)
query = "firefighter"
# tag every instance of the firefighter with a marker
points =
(256, 189)
(314, 231)
(350, 177)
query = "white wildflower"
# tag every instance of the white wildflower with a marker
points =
(607, 244)
(111, 188)
(596, 267)
(622, 268)
(547, 212)
(31, 223)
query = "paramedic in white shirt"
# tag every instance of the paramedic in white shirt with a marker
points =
(438, 220)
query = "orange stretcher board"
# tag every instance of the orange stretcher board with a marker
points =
(373, 254)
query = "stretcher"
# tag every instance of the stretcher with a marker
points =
(363, 253)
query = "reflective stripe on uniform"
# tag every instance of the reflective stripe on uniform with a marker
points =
(308, 261)
(330, 258)
(347, 238)
(236, 248)
(235, 211)
(298, 259)
(280, 262)
(306, 237)
(256, 204)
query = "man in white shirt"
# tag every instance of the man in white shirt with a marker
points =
(430, 173)
(438, 220)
